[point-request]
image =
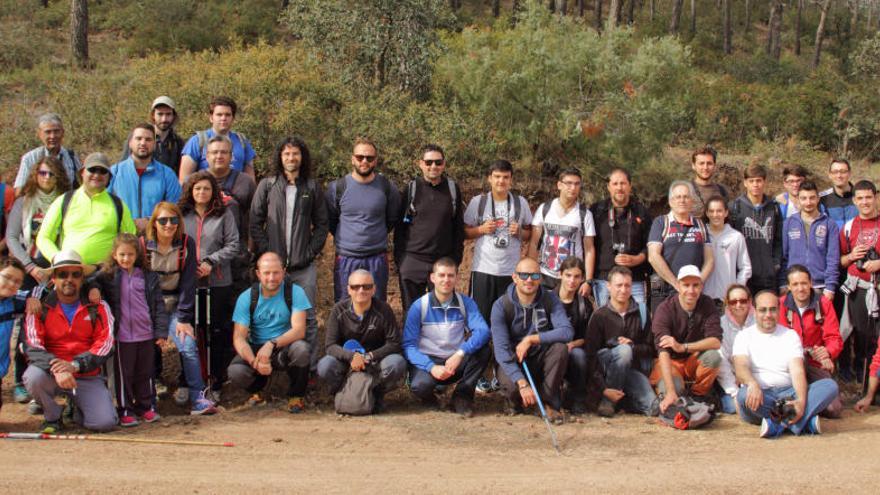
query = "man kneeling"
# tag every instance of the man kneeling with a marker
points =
(270, 329)
(769, 362)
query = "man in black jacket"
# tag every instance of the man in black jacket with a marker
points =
(169, 145)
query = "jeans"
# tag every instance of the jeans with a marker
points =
(189, 358)
(617, 366)
(333, 372)
(819, 394)
(639, 293)
(576, 376)
(423, 383)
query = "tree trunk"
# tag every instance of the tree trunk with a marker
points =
(820, 33)
(562, 7)
(582, 4)
(631, 12)
(284, 4)
(726, 26)
(797, 27)
(748, 24)
(675, 18)
(854, 20)
(614, 14)
(774, 47)
(693, 17)
(496, 8)
(79, 32)
(652, 9)
(597, 9)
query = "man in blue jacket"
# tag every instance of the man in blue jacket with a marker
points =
(529, 325)
(436, 341)
(140, 181)
(809, 238)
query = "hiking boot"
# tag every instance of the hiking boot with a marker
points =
(512, 409)
(20, 394)
(379, 406)
(463, 407)
(555, 416)
(181, 396)
(578, 408)
(770, 428)
(431, 402)
(202, 406)
(51, 427)
(128, 421)
(484, 386)
(151, 416)
(256, 399)
(296, 405)
(812, 427)
(605, 409)
(34, 408)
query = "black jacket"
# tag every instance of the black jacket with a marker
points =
(377, 331)
(158, 316)
(631, 228)
(762, 227)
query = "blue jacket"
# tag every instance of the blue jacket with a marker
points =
(841, 209)
(10, 308)
(142, 193)
(442, 330)
(819, 250)
(553, 327)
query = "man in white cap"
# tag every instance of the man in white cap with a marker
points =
(687, 333)
(169, 145)
(66, 345)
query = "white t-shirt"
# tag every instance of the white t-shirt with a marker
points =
(563, 235)
(769, 354)
(497, 253)
(290, 203)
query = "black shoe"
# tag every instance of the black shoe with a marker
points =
(379, 405)
(463, 407)
(606, 409)
(578, 409)
(432, 402)
(513, 409)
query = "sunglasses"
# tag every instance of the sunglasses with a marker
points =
(98, 170)
(734, 302)
(528, 275)
(46, 174)
(167, 220)
(64, 275)
(357, 287)
(365, 158)
(434, 163)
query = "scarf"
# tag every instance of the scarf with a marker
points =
(38, 203)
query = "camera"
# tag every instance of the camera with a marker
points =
(782, 410)
(619, 247)
(871, 255)
(501, 242)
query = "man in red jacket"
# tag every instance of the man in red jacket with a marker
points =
(812, 317)
(66, 345)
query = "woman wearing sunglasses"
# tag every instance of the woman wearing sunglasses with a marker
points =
(739, 314)
(172, 254)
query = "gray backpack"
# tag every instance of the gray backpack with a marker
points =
(356, 395)
(687, 414)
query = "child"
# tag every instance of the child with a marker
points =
(11, 305)
(140, 319)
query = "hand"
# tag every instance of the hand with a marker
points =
(676, 286)
(872, 266)
(613, 394)
(488, 227)
(38, 275)
(161, 342)
(863, 404)
(357, 362)
(33, 306)
(571, 346)
(453, 363)
(61, 366)
(859, 252)
(827, 365)
(522, 349)
(799, 407)
(440, 373)
(667, 401)
(204, 269)
(528, 396)
(626, 260)
(263, 367)
(265, 353)
(755, 397)
(585, 289)
(94, 296)
(828, 295)
(65, 380)
(184, 329)
(624, 341)
(669, 342)
(513, 228)
(820, 353)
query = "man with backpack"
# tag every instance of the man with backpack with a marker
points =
(530, 328)
(169, 145)
(444, 340)
(362, 207)
(50, 130)
(86, 219)
(221, 113)
(237, 189)
(703, 163)
(269, 335)
(431, 226)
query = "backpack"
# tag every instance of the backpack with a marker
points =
(203, 141)
(255, 297)
(356, 395)
(226, 188)
(411, 194)
(65, 204)
(511, 198)
(94, 316)
(423, 305)
(687, 414)
(545, 209)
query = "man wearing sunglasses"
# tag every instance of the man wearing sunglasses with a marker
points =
(362, 208)
(87, 219)
(363, 318)
(66, 345)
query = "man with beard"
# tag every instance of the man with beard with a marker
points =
(50, 130)
(703, 163)
(363, 207)
(169, 145)
(140, 181)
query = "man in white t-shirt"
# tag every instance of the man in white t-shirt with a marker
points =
(561, 228)
(769, 362)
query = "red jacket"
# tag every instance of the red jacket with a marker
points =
(812, 333)
(87, 343)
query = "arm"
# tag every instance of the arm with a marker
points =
(259, 214)
(589, 257)
(670, 395)
(478, 327)
(655, 258)
(503, 346)
(127, 224)
(160, 316)
(332, 211)
(320, 223)
(562, 330)
(34, 347)
(240, 342)
(297, 329)
(865, 402)
(387, 320)
(799, 382)
(230, 242)
(187, 167)
(743, 367)
(708, 261)
(172, 188)
(831, 338)
(744, 262)
(14, 236)
(458, 228)
(332, 336)
(537, 234)
(777, 240)
(412, 330)
(249, 170)
(832, 256)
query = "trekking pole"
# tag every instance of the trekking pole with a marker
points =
(541, 407)
(96, 438)
(208, 333)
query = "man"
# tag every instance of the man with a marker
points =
(769, 362)
(221, 111)
(529, 326)
(760, 220)
(676, 240)
(432, 225)
(859, 247)
(141, 181)
(687, 334)
(235, 185)
(371, 323)
(792, 177)
(808, 238)
(437, 345)
(622, 228)
(169, 145)
(618, 343)
(362, 208)
(67, 344)
(813, 318)
(561, 228)
(703, 164)
(50, 131)
(269, 334)
(87, 219)
(837, 200)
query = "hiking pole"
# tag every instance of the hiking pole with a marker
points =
(96, 438)
(541, 407)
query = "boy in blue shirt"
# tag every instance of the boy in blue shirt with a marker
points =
(11, 305)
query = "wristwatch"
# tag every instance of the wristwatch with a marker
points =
(274, 343)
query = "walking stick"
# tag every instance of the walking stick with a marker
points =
(541, 407)
(96, 438)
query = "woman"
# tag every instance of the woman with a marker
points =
(732, 263)
(172, 255)
(47, 181)
(213, 228)
(739, 315)
(578, 310)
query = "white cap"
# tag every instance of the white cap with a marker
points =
(162, 100)
(689, 271)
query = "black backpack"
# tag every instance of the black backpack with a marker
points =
(65, 204)
(255, 298)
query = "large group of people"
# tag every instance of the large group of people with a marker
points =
(754, 305)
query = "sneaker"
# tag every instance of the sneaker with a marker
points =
(296, 405)
(770, 428)
(34, 408)
(606, 409)
(213, 395)
(484, 386)
(813, 427)
(555, 416)
(463, 407)
(203, 407)
(50, 427)
(255, 400)
(151, 416)
(21, 395)
(181, 396)
(127, 421)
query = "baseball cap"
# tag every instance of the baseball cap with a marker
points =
(689, 271)
(162, 100)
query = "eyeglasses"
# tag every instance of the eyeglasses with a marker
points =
(98, 170)
(366, 158)
(529, 275)
(793, 181)
(435, 163)
(64, 274)
(46, 174)
(166, 220)
(735, 302)
(771, 309)
(839, 172)
(357, 287)
(567, 183)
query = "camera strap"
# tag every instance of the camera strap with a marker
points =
(612, 222)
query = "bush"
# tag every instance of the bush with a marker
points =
(21, 46)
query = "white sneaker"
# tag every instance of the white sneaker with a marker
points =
(181, 396)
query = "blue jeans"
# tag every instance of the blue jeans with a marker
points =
(617, 366)
(819, 394)
(600, 292)
(189, 354)
(576, 375)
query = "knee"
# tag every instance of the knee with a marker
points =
(710, 359)
(558, 351)
(421, 383)
(623, 355)
(577, 358)
(329, 367)
(105, 424)
(34, 377)
(240, 374)
(298, 352)
(393, 366)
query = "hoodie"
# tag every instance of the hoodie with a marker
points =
(761, 226)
